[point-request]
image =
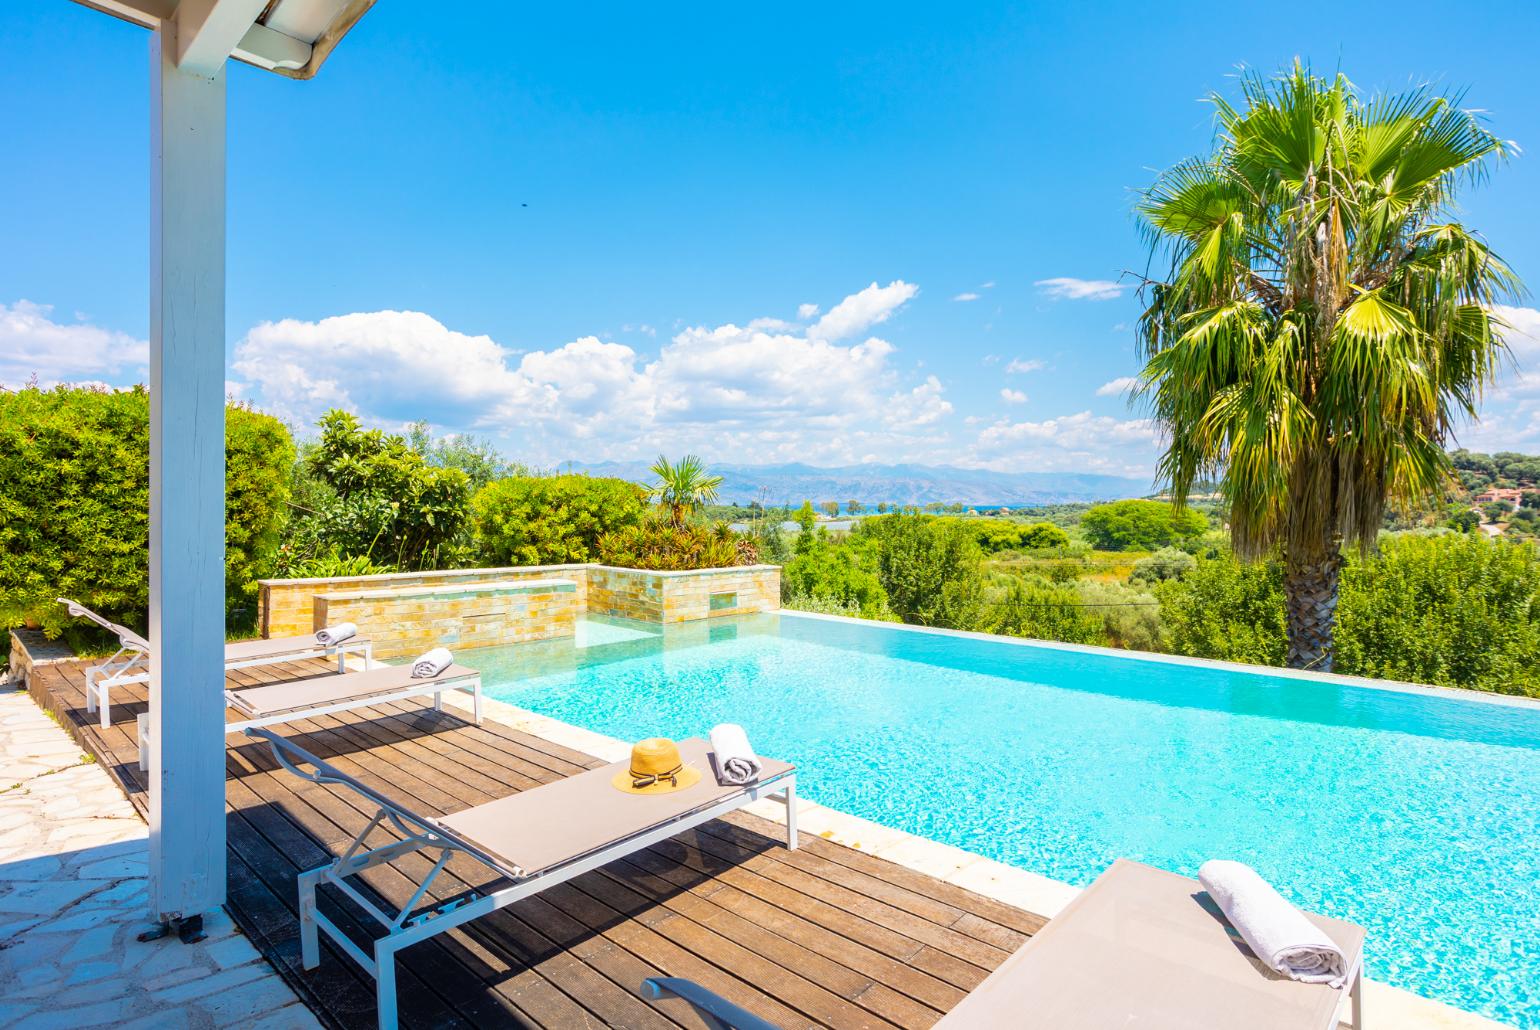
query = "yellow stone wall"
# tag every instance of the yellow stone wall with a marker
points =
(402, 621)
(463, 603)
(287, 606)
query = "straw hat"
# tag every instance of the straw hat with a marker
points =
(656, 768)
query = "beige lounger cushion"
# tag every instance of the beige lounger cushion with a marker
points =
(245, 650)
(295, 695)
(1138, 949)
(548, 825)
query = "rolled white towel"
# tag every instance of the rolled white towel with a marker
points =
(332, 635)
(1277, 932)
(431, 664)
(736, 761)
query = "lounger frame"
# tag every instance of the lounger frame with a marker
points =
(130, 663)
(470, 684)
(409, 925)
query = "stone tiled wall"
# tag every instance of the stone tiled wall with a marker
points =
(477, 607)
(287, 605)
(404, 620)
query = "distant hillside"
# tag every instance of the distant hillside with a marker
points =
(895, 484)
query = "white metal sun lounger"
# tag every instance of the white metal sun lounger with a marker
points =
(274, 703)
(1140, 947)
(534, 839)
(130, 663)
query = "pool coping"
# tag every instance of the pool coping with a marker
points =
(1335, 678)
(1386, 1007)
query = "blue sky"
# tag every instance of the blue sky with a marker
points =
(601, 234)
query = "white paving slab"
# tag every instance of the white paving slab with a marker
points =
(73, 896)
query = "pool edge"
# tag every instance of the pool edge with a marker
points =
(1336, 678)
(1385, 1007)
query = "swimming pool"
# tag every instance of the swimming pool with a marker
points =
(1417, 815)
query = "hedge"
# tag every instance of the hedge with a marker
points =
(74, 503)
(551, 520)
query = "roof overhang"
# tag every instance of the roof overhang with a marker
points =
(290, 37)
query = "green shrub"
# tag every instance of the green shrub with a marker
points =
(659, 543)
(1141, 525)
(378, 498)
(930, 568)
(74, 504)
(1456, 610)
(550, 520)
(995, 535)
(1031, 606)
(1130, 617)
(840, 574)
(1226, 610)
(1166, 563)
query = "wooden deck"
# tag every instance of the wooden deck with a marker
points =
(820, 936)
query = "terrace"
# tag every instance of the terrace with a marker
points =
(864, 925)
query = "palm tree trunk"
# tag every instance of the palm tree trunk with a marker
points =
(1310, 596)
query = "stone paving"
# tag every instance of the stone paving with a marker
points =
(73, 867)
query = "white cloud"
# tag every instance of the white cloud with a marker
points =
(1068, 288)
(987, 286)
(860, 311)
(390, 365)
(806, 311)
(1023, 365)
(1112, 387)
(771, 323)
(32, 343)
(762, 391)
(965, 297)
(1079, 442)
(1013, 396)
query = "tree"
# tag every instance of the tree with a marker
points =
(930, 568)
(1495, 510)
(831, 508)
(1530, 499)
(1140, 525)
(682, 486)
(882, 507)
(479, 459)
(379, 498)
(1324, 321)
(853, 506)
(1463, 519)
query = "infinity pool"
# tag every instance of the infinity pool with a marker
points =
(1415, 815)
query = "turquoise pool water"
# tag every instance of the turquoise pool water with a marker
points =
(1417, 816)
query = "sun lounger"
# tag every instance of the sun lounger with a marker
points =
(1140, 947)
(130, 663)
(273, 703)
(532, 840)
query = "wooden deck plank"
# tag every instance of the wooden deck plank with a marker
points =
(823, 936)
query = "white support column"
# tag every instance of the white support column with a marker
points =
(187, 484)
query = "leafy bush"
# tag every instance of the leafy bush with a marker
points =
(658, 543)
(995, 535)
(1456, 610)
(550, 520)
(930, 568)
(1130, 617)
(1031, 606)
(375, 496)
(1226, 610)
(74, 503)
(842, 575)
(1141, 525)
(1166, 563)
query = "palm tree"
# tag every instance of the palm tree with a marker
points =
(1325, 321)
(682, 486)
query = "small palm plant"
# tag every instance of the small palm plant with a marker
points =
(1325, 322)
(682, 486)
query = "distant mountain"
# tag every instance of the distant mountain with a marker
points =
(895, 484)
